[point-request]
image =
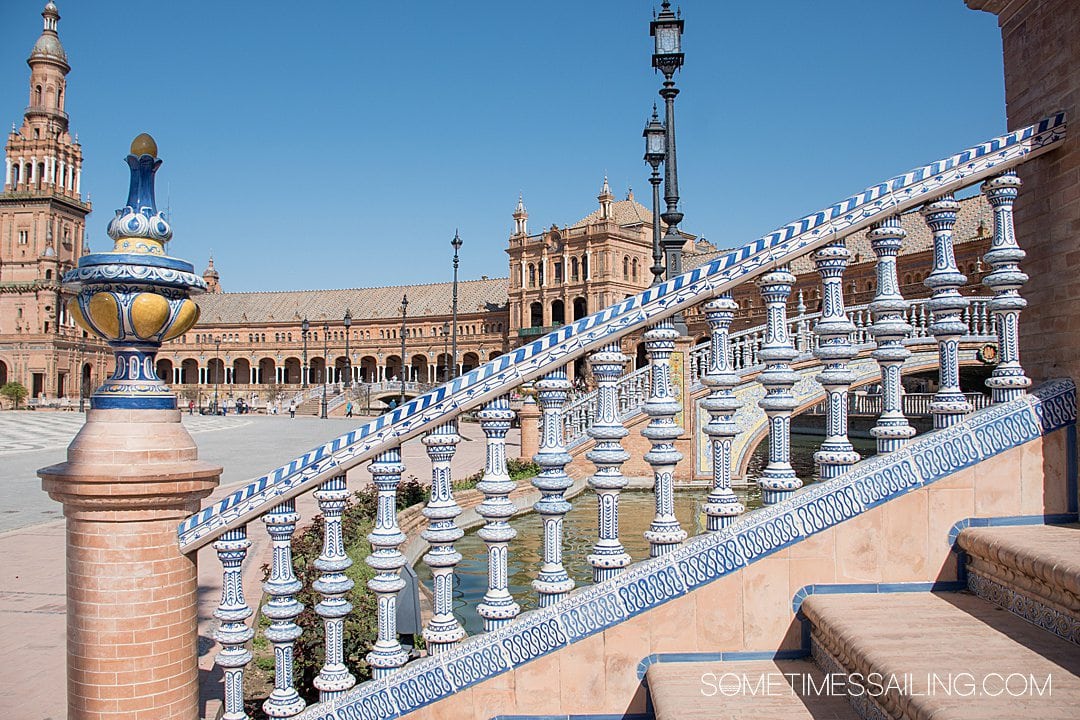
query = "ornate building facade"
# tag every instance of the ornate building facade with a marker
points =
(42, 230)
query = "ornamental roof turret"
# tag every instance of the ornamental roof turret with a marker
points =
(48, 46)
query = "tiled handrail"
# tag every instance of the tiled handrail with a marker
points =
(554, 350)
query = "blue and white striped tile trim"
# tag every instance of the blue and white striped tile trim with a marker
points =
(706, 558)
(571, 341)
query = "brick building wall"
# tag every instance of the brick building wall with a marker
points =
(1041, 45)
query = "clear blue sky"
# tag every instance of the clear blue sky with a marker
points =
(339, 144)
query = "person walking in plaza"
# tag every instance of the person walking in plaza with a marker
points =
(348, 409)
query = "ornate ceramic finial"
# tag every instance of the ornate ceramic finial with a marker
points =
(135, 296)
(139, 227)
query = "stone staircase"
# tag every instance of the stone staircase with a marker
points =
(1005, 647)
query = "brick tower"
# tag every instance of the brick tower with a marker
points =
(42, 225)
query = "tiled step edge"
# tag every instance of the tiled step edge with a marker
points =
(1045, 591)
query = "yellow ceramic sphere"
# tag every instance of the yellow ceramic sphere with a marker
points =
(105, 314)
(186, 317)
(77, 316)
(144, 145)
(149, 313)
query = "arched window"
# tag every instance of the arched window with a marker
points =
(532, 275)
(558, 312)
(48, 274)
(625, 268)
(633, 269)
(37, 95)
(584, 267)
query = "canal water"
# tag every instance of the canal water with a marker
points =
(636, 511)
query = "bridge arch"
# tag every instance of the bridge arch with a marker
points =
(752, 420)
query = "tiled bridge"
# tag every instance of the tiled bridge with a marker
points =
(881, 525)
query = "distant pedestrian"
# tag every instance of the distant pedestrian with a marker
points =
(348, 409)
(190, 407)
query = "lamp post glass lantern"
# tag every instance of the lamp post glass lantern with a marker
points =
(305, 326)
(655, 150)
(404, 311)
(456, 243)
(325, 376)
(348, 359)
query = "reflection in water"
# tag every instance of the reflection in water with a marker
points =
(579, 533)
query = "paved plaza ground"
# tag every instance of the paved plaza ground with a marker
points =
(32, 601)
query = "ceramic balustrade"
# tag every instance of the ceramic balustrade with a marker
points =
(766, 351)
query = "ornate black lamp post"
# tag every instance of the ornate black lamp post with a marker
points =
(667, 57)
(348, 358)
(404, 310)
(305, 326)
(325, 353)
(446, 357)
(655, 144)
(456, 242)
(217, 369)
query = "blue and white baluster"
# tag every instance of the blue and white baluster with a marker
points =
(834, 350)
(282, 610)
(443, 630)
(387, 560)
(232, 632)
(552, 583)
(498, 606)
(608, 557)
(333, 585)
(949, 404)
(664, 533)
(1007, 381)
(890, 311)
(721, 506)
(778, 480)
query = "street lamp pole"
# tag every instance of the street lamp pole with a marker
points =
(667, 57)
(654, 135)
(304, 327)
(456, 243)
(325, 353)
(217, 369)
(404, 310)
(348, 358)
(446, 356)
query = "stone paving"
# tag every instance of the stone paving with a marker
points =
(32, 600)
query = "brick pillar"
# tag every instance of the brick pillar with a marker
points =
(130, 477)
(1042, 76)
(529, 415)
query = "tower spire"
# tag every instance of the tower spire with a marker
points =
(521, 217)
(605, 197)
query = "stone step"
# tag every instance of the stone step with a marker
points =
(743, 690)
(1030, 570)
(944, 656)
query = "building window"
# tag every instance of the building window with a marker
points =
(584, 267)
(532, 275)
(573, 269)
(625, 268)
(633, 268)
(24, 237)
(558, 272)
